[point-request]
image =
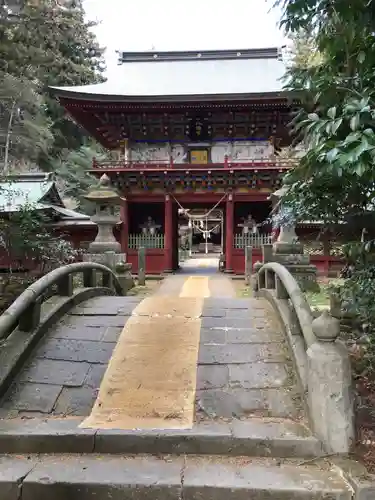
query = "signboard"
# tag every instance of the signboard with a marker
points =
(199, 156)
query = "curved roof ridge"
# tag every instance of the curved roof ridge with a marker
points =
(192, 55)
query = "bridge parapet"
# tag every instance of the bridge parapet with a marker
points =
(321, 359)
(41, 305)
(25, 312)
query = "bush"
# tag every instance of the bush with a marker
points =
(26, 239)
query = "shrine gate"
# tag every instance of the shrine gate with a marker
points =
(186, 131)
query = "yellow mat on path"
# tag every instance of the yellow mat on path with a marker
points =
(150, 381)
(196, 286)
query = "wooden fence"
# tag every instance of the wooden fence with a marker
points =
(146, 241)
(253, 240)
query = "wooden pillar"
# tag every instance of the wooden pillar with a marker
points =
(168, 234)
(229, 232)
(124, 216)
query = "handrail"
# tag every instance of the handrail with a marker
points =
(29, 302)
(322, 362)
(287, 287)
(246, 163)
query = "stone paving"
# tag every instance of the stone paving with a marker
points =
(243, 368)
(66, 369)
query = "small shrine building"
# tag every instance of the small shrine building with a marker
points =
(190, 132)
(40, 192)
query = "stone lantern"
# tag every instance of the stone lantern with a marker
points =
(105, 199)
(105, 249)
(288, 250)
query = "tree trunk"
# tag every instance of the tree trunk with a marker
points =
(7, 142)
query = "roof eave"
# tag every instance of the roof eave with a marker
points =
(54, 193)
(84, 96)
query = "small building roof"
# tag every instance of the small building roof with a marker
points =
(33, 189)
(38, 190)
(151, 75)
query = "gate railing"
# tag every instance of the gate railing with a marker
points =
(137, 241)
(25, 312)
(251, 240)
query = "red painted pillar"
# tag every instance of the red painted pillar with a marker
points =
(229, 232)
(168, 234)
(124, 216)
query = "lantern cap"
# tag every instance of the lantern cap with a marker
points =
(103, 192)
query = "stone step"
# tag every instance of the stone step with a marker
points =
(254, 437)
(165, 478)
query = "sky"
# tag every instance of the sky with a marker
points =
(130, 25)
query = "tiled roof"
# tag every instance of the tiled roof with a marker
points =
(151, 75)
(40, 192)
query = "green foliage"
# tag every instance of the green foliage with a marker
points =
(303, 52)
(48, 43)
(25, 130)
(25, 238)
(72, 168)
(357, 298)
(51, 44)
(335, 179)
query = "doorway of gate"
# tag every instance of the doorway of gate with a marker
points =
(200, 237)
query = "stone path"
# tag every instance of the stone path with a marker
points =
(219, 284)
(243, 367)
(207, 265)
(63, 376)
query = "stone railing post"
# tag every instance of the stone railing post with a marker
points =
(248, 264)
(65, 286)
(329, 386)
(270, 283)
(141, 266)
(267, 256)
(123, 274)
(281, 292)
(107, 280)
(267, 253)
(89, 278)
(30, 319)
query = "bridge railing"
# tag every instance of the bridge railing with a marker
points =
(321, 359)
(25, 312)
(275, 277)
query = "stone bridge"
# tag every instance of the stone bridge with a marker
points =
(190, 393)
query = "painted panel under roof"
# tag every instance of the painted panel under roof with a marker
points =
(244, 151)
